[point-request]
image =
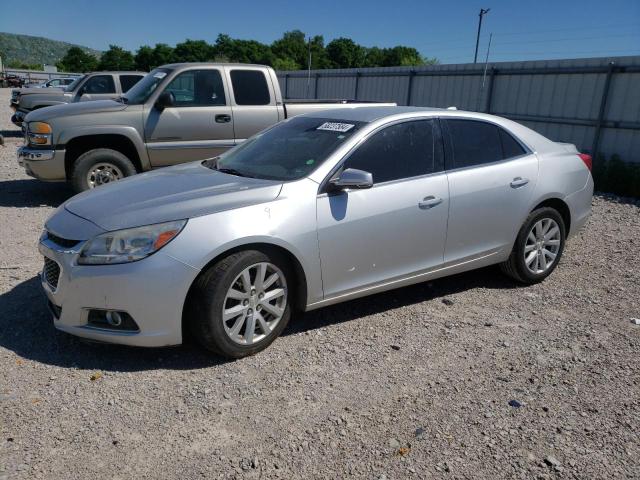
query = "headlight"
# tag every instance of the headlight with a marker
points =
(130, 245)
(39, 133)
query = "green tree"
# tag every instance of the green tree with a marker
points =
(77, 60)
(293, 46)
(283, 64)
(162, 54)
(244, 51)
(144, 59)
(116, 58)
(194, 51)
(345, 53)
(403, 56)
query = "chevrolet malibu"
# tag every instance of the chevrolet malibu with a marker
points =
(317, 210)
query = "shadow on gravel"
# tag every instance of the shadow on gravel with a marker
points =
(33, 193)
(11, 133)
(26, 327)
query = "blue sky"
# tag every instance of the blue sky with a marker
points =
(522, 29)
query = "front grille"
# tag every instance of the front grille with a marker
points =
(63, 242)
(51, 272)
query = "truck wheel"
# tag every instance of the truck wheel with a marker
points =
(242, 303)
(99, 167)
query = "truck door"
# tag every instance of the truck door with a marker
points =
(200, 123)
(253, 101)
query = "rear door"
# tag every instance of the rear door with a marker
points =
(491, 181)
(198, 126)
(252, 100)
(98, 87)
(398, 227)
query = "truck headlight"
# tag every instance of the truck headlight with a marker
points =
(39, 133)
(130, 245)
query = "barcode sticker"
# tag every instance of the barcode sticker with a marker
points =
(336, 127)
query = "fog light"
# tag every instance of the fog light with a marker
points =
(112, 320)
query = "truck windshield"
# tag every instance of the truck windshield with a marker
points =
(140, 92)
(288, 151)
(71, 87)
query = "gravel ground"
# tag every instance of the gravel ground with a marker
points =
(464, 377)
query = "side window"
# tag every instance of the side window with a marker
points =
(400, 151)
(54, 83)
(476, 143)
(198, 88)
(510, 147)
(128, 81)
(250, 87)
(100, 84)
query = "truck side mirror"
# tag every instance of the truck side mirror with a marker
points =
(165, 100)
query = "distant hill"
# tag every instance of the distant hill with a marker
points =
(35, 50)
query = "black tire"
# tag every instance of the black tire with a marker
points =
(515, 266)
(208, 296)
(88, 160)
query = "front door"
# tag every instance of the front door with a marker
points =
(398, 227)
(98, 87)
(199, 125)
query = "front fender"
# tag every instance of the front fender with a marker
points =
(68, 134)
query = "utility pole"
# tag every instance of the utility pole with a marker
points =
(483, 12)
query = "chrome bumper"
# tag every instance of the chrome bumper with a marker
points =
(47, 165)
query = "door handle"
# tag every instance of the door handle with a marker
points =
(429, 202)
(519, 182)
(224, 118)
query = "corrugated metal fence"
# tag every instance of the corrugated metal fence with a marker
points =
(594, 103)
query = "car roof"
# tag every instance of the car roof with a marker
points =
(369, 114)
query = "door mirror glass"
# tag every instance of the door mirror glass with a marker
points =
(351, 178)
(165, 100)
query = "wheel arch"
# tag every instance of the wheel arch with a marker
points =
(561, 207)
(301, 285)
(81, 144)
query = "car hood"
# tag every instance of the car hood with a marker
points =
(173, 193)
(79, 108)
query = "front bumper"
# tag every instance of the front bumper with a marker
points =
(152, 291)
(47, 165)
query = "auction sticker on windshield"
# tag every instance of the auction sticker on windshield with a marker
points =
(336, 127)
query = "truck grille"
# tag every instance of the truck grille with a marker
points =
(51, 272)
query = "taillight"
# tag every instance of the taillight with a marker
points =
(586, 158)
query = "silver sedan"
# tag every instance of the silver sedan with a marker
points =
(316, 210)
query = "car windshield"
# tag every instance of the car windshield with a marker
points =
(71, 87)
(140, 92)
(288, 151)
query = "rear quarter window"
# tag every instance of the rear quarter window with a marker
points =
(250, 87)
(128, 81)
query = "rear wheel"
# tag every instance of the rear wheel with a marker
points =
(99, 167)
(538, 247)
(242, 303)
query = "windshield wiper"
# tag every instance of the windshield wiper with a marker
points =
(233, 171)
(122, 99)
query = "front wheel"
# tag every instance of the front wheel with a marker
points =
(538, 247)
(242, 303)
(99, 167)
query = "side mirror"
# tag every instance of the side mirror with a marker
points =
(165, 100)
(351, 178)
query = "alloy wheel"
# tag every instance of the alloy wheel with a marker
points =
(255, 303)
(542, 245)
